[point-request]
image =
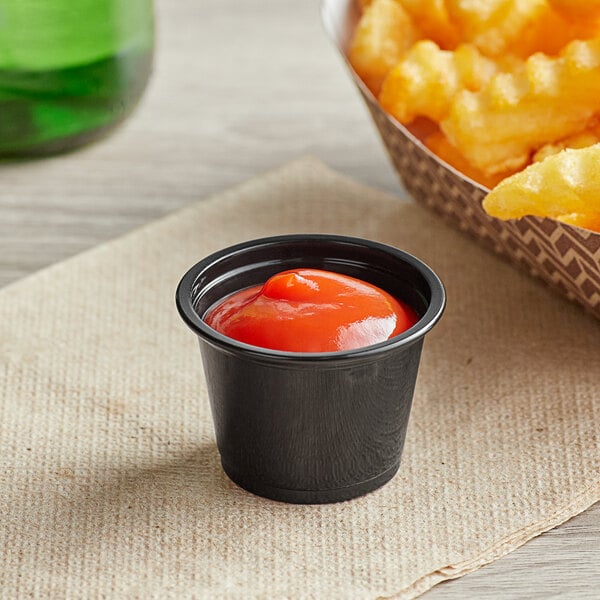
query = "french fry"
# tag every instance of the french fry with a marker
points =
(438, 143)
(589, 221)
(498, 128)
(433, 20)
(426, 80)
(491, 86)
(494, 25)
(383, 34)
(577, 9)
(561, 186)
(552, 31)
(583, 139)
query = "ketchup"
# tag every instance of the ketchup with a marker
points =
(310, 310)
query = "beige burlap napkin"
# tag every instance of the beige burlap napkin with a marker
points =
(110, 483)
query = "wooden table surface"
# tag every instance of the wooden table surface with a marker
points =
(242, 86)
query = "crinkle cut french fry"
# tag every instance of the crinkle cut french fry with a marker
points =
(552, 31)
(438, 143)
(577, 9)
(583, 139)
(383, 34)
(591, 221)
(432, 19)
(494, 25)
(563, 184)
(426, 80)
(499, 127)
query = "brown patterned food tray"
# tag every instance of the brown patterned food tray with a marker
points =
(565, 257)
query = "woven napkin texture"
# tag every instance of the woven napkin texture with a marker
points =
(110, 481)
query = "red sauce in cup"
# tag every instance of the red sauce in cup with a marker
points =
(310, 310)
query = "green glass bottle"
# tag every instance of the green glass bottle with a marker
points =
(69, 70)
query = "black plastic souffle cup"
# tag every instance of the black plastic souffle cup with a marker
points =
(310, 427)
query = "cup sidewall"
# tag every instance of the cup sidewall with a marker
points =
(296, 427)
